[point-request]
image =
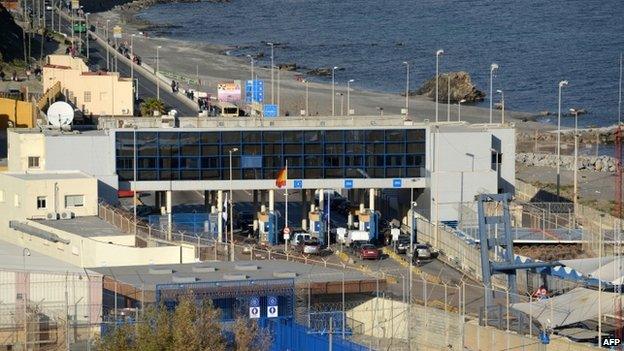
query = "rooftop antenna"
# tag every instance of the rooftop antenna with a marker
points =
(60, 114)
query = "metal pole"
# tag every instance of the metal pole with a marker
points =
(575, 162)
(331, 333)
(272, 80)
(231, 209)
(620, 94)
(157, 71)
(407, 77)
(307, 84)
(108, 68)
(132, 57)
(344, 318)
(437, 79)
(134, 171)
(333, 91)
(561, 85)
(493, 68)
(87, 33)
(448, 97)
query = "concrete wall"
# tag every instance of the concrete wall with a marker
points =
(20, 146)
(507, 173)
(19, 113)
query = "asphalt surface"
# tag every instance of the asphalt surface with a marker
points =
(146, 87)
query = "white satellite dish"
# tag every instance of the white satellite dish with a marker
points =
(60, 114)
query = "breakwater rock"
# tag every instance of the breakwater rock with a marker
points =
(591, 163)
(138, 5)
(461, 88)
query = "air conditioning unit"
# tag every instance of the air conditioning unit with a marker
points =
(66, 215)
(51, 216)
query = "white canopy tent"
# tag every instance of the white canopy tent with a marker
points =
(608, 269)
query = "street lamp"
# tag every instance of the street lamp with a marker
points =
(231, 209)
(493, 68)
(349, 95)
(132, 57)
(459, 109)
(252, 84)
(438, 54)
(576, 113)
(341, 103)
(87, 24)
(407, 76)
(157, 72)
(307, 96)
(107, 46)
(272, 66)
(502, 105)
(333, 90)
(562, 84)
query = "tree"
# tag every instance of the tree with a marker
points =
(248, 336)
(150, 105)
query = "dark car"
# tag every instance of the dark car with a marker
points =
(402, 245)
(369, 252)
(423, 252)
(244, 221)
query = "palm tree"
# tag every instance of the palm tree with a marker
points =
(149, 106)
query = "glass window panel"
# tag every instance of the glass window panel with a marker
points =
(190, 150)
(334, 135)
(394, 135)
(375, 172)
(293, 161)
(124, 162)
(312, 161)
(225, 161)
(353, 160)
(414, 172)
(316, 173)
(293, 136)
(293, 149)
(395, 148)
(252, 149)
(270, 161)
(124, 137)
(125, 175)
(333, 161)
(334, 173)
(189, 138)
(168, 138)
(125, 150)
(210, 138)
(251, 137)
(146, 162)
(313, 149)
(416, 148)
(168, 175)
(354, 135)
(374, 135)
(189, 175)
(394, 160)
(336, 149)
(353, 172)
(168, 150)
(189, 162)
(394, 172)
(231, 137)
(313, 136)
(415, 135)
(294, 173)
(272, 149)
(212, 174)
(272, 137)
(147, 149)
(209, 162)
(270, 173)
(147, 175)
(168, 162)
(210, 150)
(378, 148)
(354, 148)
(414, 160)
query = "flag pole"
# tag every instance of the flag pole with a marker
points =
(286, 212)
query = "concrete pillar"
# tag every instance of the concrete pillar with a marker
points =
(169, 214)
(157, 200)
(371, 200)
(255, 200)
(263, 197)
(207, 202)
(271, 200)
(220, 212)
(322, 199)
(304, 207)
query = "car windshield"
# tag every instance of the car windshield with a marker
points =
(368, 247)
(311, 243)
(404, 240)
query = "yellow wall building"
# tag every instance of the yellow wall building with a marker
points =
(15, 113)
(94, 93)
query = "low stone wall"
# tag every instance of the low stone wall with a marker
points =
(592, 163)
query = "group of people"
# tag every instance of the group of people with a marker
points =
(3, 76)
(175, 86)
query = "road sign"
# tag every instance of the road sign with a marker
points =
(270, 110)
(117, 32)
(254, 312)
(397, 183)
(75, 5)
(272, 310)
(254, 302)
(286, 233)
(298, 184)
(348, 183)
(255, 88)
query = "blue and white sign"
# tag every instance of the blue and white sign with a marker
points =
(348, 183)
(255, 88)
(254, 307)
(270, 110)
(397, 183)
(298, 184)
(272, 310)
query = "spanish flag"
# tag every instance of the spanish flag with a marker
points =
(282, 177)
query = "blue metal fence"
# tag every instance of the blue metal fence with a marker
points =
(199, 224)
(288, 335)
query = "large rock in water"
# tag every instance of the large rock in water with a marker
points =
(461, 88)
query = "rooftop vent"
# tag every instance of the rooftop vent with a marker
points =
(246, 267)
(153, 270)
(235, 276)
(285, 274)
(204, 269)
(176, 279)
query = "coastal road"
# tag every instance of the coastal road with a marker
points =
(146, 86)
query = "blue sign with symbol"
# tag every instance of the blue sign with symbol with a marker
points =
(254, 91)
(348, 183)
(270, 110)
(272, 301)
(397, 183)
(298, 183)
(254, 302)
(317, 226)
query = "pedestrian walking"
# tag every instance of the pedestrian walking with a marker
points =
(173, 86)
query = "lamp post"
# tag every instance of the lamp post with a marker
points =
(459, 109)
(251, 82)
(334, 90)
(307, 96)
(349, 95)
(562, 84)
(438, 54)
(157, 72)
(272, 66)
(231, 209)
(448, 97)
(575, 112)
(132, 56)
(107, 47)
(493, 68)
(407, 76)
(502, 105)
(87, 33)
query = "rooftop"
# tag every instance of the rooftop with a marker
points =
(49, 175)
(12, 258)
(90, 226)
(216, 271)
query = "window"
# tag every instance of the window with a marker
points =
(41, 202)
(74, 200)
(16, 200)
(87, 96)
(33, 161)
(1, 195)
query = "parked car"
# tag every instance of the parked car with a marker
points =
(310, 247)
(369, 252)
(244, 221)
(422, 252)
(401, 246)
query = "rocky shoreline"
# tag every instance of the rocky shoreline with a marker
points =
(605, 135)
(590, 163)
